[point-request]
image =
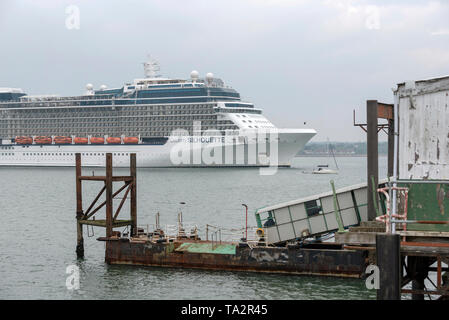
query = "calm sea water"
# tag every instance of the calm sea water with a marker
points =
(38, 232)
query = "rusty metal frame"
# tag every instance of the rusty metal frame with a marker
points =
(440, 290)
(383, 126)
(89, 214)
(111, 221)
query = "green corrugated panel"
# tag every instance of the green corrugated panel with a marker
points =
(428, 202)
(207, 248)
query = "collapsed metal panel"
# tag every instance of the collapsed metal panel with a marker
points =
(424, 129)
(314, 215)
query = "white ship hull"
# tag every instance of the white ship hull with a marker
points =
(276, 151)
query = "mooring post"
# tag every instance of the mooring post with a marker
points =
(418, 270)
(418, 285)
(133, 209)
(388, 253)
(79, 209)
(108, 195)
(372, 154)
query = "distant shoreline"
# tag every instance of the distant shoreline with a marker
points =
(336, 155)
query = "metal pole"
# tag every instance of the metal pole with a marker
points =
(246, 224)
(341, 227)
(396, 154)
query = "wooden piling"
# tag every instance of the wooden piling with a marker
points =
(418, 270)
(79, 209)
(111, 220)
(108, 184)
(390, 268)
(133, 202)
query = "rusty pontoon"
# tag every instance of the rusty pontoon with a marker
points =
(187, 250)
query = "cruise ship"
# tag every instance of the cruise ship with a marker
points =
(167, 122)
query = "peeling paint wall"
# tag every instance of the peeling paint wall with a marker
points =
(424, 129)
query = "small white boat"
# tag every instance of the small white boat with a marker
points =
(324, 169)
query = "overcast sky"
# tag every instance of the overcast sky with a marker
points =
(300, 61)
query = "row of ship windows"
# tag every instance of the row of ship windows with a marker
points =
(229, 110)
(107, 119)
(123, 125)
(103, 118)
(131, 109)
(94, 131)
(123, 102)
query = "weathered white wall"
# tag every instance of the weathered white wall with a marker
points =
(424, 129)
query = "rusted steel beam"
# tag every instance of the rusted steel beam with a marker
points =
(109, 194)
(104, 202)
(94, 202)
(425, 244)
(103, 178)
(79, 208)
(430, 222)
(372, 155)
(385, 111)
(122, 202)
(102, 223)
(359, 248)
(133, 202)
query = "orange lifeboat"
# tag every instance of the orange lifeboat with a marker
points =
(42, 140)
(113, 140)
(24, 140)
(62, 140)
(79, 140)
(131, 140)
(97, 140)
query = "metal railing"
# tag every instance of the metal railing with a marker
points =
(214, 234)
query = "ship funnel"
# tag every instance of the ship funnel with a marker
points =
(151, 68)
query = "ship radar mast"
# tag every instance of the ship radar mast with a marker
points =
(151, 68)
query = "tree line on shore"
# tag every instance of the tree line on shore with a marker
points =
(341, 148)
